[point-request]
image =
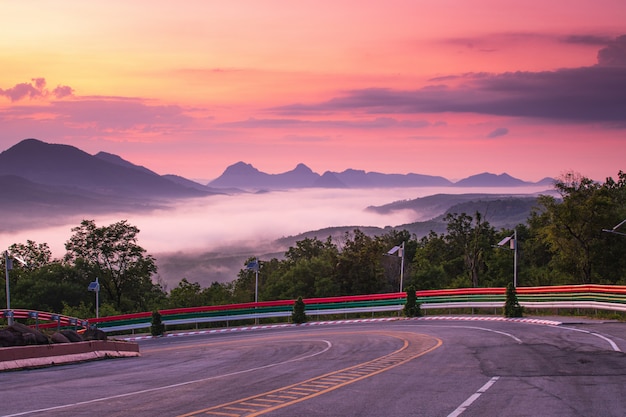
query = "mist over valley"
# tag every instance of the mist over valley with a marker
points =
(205, 233)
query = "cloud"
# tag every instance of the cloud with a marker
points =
(614, 54)
(586, 94)
(306, 139)
(501, 131)
(120, 114)
(102, 116)
(34, 89)
(376, 123)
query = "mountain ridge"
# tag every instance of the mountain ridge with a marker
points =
(246, 176)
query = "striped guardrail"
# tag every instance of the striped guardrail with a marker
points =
(600, 297)
(44, 319)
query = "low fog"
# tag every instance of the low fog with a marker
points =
(209, 239)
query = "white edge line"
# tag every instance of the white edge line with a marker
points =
(610, 341)
(461, 408)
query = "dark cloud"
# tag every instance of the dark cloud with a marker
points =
(587, 94)
(34, 89)
(594, 40)
(501, 131)
(62, 91)
(614, 54)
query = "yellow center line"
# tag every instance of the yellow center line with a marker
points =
(413, 347)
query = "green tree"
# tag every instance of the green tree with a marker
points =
(433, 263)
(299, 312)
(412, 308)
(112, 254)
(512, 308)
(358, 269)
(218, 293)
(572, 227)
(157, 328)
(187, 294)
(36, 255)
(471, 238)
(49, 288)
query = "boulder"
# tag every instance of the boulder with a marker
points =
(59, 338)
(94, 333)
(72, 336)
(9, 338)
(36, 338)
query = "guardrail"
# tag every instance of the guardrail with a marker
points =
(49, 319)
(599, 297)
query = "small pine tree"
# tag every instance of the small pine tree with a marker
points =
(157, 328)
(299, 316)
(512, 308)
(412, 308)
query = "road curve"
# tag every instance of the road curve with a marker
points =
(400, 368)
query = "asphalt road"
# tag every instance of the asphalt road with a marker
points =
(399, 368)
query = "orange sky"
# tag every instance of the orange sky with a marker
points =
(450, 88)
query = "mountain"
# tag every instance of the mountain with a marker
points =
(499, 209)
(487, 179)
(69, 167)
(361, 179)
(244, 175)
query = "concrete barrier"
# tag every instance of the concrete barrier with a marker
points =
(36, 356)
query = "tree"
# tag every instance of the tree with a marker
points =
(50, 288)
(157, 328)
(470, 240)
(36, 255)
(412, 308)
(112, 254)
(187, 294)
(572, 227)
(512, 308)
(299, 315)
(358, 268)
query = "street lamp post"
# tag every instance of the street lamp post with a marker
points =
(512, 241)
(400, 251)
(614, 229)
(95, 287)
(8, 265)
(254, 265)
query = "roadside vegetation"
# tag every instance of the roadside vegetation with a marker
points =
(562, 242)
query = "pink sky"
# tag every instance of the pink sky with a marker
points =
(450, 88)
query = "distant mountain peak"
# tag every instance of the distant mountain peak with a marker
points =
(329, 180)
(302, 169)
(487, 179)
(241, 168)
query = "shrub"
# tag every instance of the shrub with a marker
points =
(412, 308)
(157, 328)
(299, 316)
(512, 308)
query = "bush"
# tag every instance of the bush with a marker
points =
(157, 328)
(412, 308)
(299, 316)
(512, 308)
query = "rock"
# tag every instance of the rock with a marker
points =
(9, 338)
(72, 336)
(59, 338)
(37, 337)
(93, 333)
